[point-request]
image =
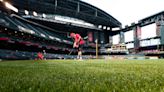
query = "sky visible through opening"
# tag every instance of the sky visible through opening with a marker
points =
(129, 11)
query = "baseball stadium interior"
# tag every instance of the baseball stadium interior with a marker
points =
(31, 26)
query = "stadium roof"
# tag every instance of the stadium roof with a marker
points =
(72, 8)
(161, 14)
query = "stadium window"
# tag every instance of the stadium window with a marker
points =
(129, 36)
(148, 31)
(130, 45)
(116, 39)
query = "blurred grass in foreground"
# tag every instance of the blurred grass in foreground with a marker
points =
(82, 76)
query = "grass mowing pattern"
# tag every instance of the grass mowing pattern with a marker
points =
(82, 76)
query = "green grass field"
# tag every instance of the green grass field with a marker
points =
(82, 76)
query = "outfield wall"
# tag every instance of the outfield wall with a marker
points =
(130, 57)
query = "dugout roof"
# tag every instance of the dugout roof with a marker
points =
(71, 8)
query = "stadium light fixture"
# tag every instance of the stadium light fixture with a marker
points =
(11, 7)
(34, 13)
(100, 26)
(26, 12)
(104, 27)
(51, 37)
(108, 28)
(44, 15)
(115, 29)
(22, 34)
(43, 35)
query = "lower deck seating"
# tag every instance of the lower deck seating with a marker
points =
(24, 55)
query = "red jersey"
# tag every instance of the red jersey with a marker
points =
(40, 56)
(77, 37)
(77, 40)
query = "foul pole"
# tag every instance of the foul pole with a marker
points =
(96, 49)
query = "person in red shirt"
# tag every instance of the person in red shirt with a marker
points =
(40, 56)
(78, 40)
